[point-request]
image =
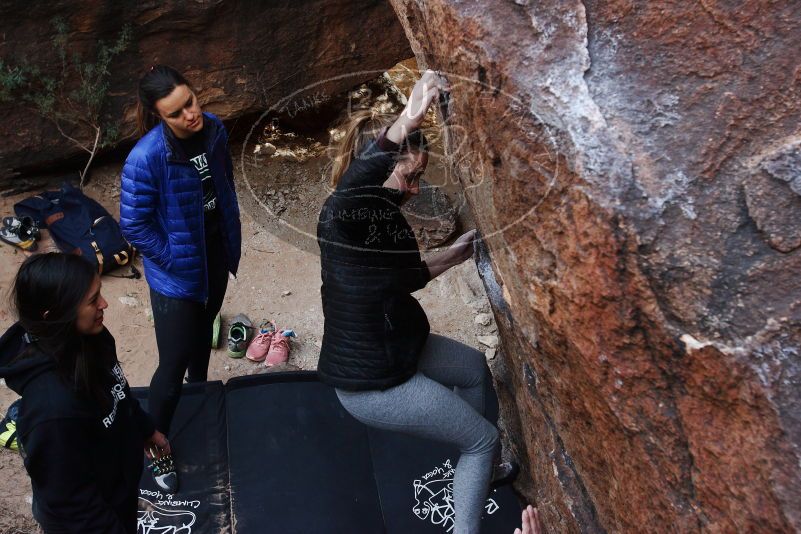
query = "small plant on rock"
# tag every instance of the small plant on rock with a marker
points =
(74, 101)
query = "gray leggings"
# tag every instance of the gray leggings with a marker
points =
(426, 407)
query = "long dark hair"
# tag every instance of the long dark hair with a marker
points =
(157, 83)
(48, 291)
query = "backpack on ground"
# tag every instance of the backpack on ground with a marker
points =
(80, 225)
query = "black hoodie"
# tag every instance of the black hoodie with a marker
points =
(84, 462)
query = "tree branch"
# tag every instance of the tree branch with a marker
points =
(77, 143)
(91, 157)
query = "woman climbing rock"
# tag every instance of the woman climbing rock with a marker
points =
(388, 370)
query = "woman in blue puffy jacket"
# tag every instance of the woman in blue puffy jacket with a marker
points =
(179, 209)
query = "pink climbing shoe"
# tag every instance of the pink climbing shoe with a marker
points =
(279, 348)
(260, 346)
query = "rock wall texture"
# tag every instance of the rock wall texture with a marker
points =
(243, 57)
(635, 168)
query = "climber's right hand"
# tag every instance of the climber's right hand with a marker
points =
(425, 91)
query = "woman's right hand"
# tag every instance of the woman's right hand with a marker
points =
(425, 91)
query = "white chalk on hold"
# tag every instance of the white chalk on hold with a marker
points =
(692, 344)
(286, 293)
(490, 353)
(484, 319)
(489, 341)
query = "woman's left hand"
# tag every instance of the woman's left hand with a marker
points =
(157, 444)
(462, 248)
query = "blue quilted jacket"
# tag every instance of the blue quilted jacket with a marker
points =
(161, 210)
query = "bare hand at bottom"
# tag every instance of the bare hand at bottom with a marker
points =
(531, 522)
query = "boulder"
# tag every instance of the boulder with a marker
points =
(242, 57)
(431, 215)
(633, 168)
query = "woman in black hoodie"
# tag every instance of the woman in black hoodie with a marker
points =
(81, 432)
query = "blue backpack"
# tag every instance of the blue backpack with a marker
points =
(80, 225)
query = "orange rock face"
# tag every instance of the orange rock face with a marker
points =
(635, 168)
(243, 57)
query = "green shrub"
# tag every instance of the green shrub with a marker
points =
(75, 100)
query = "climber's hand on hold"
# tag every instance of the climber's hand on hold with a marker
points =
(425, 91)
(461, 250)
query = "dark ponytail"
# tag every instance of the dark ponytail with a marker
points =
(157, 83)
(48, 291)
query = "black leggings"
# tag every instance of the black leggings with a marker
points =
(183, 336)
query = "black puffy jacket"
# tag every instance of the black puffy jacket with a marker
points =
(374, 328)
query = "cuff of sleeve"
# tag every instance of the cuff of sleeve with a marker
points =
(385, 144)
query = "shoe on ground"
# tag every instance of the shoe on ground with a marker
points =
(267, 327)
(17, 236)
(260, 345)
(239, 336)
(164, 473)
(26, 223)
(504, 473)
(279, 348)
(24, 226)
(216, 329)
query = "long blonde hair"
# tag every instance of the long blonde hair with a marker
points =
(360, 127)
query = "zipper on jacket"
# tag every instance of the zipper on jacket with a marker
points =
(209, 148)
(220, 219)
(203, 244)
(202, 237)
(386, 317)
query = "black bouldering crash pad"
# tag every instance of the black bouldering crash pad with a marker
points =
(277, 453)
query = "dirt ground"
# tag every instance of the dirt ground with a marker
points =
(279, 279)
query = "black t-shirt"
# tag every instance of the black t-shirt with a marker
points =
(195, 149)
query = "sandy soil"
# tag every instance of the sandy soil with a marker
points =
(279, 279)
